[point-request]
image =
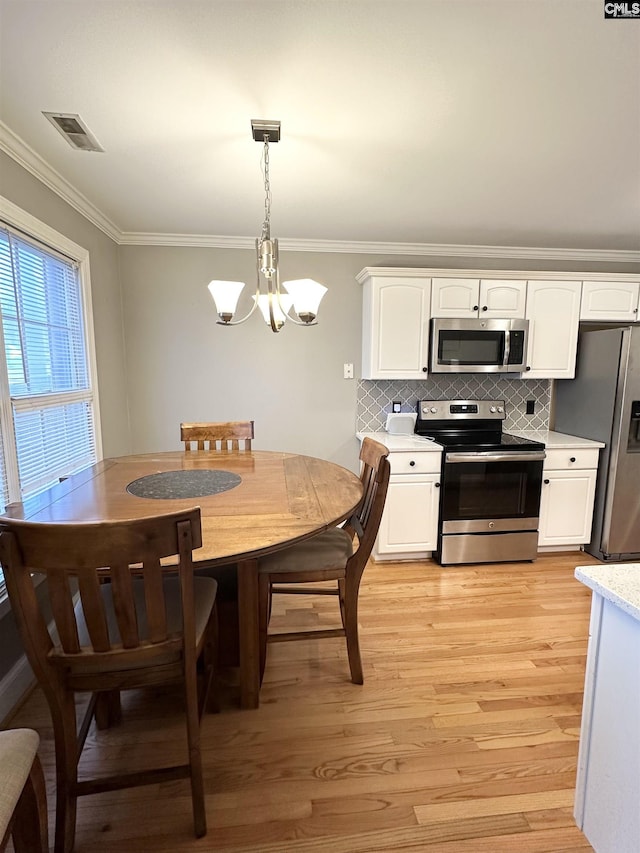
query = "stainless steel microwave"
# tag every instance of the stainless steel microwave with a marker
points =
(478, 346)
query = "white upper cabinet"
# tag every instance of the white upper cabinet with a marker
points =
(455, 297)
(502, 298)
(610, 301)
(553, 311)
(472, 297)
(395, 328)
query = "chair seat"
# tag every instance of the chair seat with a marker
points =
(328, 550)
(204, 595)
(18, 748)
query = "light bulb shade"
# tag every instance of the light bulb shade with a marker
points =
(306, 295)
(279, 313)
(225, 295)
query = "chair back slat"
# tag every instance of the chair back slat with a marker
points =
(223, 436)
(185, 548)
(123, 604)
(94, 612)
(61, 600)
(154, 602)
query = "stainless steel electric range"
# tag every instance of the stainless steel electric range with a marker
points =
(490, 485)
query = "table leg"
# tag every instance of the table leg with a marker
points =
(248, 634)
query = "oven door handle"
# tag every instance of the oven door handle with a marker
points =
(491, 456)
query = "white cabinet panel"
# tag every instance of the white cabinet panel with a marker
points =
(409, 523)
(608, 782)
(610, 301)
(566, 507)
(455, 297)
(582, 457)
(395, 333)
(472, 297)
(502, 298)
(553, 311)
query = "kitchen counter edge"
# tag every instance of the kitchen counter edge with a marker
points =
(618, 583)
(402, 443)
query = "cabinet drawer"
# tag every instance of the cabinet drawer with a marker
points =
(415, 463)
(567, 459)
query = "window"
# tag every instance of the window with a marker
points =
(48, 412)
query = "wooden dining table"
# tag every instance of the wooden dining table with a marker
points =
(254, 503)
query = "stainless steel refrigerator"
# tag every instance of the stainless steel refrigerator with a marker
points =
(603, 403)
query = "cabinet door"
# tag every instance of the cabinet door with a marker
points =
(610, 301)
(395, 329)
(502, 298)
(409, 523)
(455, 297)
(553, 311)
(566, 507)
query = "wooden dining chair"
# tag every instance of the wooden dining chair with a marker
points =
(130, 632)
(330, 555)
(23, 795)
(218, 436)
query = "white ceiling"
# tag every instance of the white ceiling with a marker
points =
(481, 122)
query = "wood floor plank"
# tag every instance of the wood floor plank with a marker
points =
(463, 738)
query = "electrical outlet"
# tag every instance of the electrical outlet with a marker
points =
(396, 406)
(531, 407)
(348, 371)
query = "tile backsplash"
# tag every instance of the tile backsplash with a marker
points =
(376, 395)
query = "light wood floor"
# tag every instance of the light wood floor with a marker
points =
(463, 738)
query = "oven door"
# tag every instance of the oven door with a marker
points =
(489, 491)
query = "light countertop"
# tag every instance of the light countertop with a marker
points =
(552, 440)
(618, 583)
(556, 440)
(397, 443)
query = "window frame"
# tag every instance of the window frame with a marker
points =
(31, 228)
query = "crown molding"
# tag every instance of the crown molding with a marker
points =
(442, 250)
(205, 241)
(529, 275)
(19, 151)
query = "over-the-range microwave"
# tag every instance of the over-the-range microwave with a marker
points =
(478, 346)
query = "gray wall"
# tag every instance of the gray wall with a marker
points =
(182, 366)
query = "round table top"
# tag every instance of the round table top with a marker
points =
(281, 498)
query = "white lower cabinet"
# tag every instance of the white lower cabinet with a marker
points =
(409, 526)
(568, 494)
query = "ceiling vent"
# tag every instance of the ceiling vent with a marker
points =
(74, 131)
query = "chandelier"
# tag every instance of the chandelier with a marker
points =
(302, 295)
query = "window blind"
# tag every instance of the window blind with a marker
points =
(50, 431)
(4, 500)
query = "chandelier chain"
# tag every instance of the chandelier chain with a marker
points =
(266, 225)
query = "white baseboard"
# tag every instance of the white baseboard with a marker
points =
(14, 686)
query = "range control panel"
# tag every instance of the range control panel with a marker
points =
(445, 410)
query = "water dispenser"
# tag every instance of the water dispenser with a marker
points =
(633, 445)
